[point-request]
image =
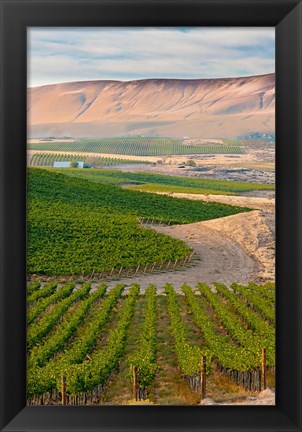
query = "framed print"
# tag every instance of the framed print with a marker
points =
(150, 231)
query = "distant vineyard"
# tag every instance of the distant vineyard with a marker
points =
(136, 146)
(158, 182)
(92, 338)
(47, 159)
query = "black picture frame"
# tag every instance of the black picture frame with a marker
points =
(16, 16)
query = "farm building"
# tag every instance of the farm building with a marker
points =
(66, 164)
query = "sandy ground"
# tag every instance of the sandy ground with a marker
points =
(168, 164)
(255, 233)
(243, 167)
(266, 397)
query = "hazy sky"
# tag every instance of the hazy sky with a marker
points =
(80, 54)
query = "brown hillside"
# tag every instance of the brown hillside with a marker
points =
(164, 107)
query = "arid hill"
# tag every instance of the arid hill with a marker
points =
(157, 107)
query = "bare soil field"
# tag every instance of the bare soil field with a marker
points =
(256, 165)
(207, 171)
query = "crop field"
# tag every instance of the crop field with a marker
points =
(48, 159)
(93, 340)
(137, 146)
(159, 182)
(96, 340)
(79, 227)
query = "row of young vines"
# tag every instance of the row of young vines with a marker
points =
(45, 159)
(68, 323)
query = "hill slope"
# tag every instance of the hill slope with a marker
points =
(161, 107)
(78, 227)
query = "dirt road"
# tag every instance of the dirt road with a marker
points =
(238, 248)
(217, 259)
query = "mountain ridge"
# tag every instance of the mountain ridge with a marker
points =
(209, 107)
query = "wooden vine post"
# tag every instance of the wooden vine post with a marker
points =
(203, 377)
(63, 390)
(135, 384)
(263, 369)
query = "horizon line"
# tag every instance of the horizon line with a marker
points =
(151, 79)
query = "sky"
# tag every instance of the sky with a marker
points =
(57, 55)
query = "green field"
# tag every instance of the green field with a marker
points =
(95, 337)
(136, 146)
(82, 226)
(47, 159)
(159, 182)
(76, 226)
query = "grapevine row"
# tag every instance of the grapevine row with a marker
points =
(265, 307)
(72, 350)
(251, 317)
(35, 310)
(234, 326)
(136, 146)
(43, 379)
(145, 357)
(91, 375)
(32, 287)
(189, 356)
(41, 328)
(267, 290)
(56, 341)
(225, 353)
(48, 159)
(46, 291)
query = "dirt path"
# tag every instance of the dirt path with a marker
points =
(217, 259)
(259, 203)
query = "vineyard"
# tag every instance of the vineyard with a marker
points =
(92, 340)
(136, 146)
(158, 182)
(78, 227)
(91, 345)
(48, 159)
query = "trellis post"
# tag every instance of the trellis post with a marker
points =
(203, 377)
(263, 369)
(134, 371)
(63, 390)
